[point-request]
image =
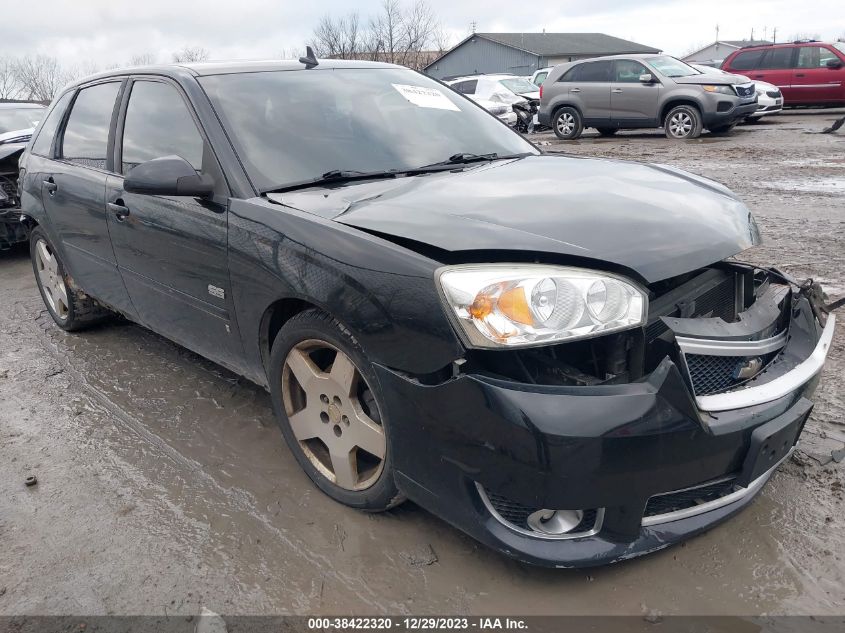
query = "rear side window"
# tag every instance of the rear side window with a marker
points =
(814, 57)
(466, 87)
(777, 58)
(158, 123)
(540, 78)
(86, 137)
(747, 60)
(43, 145)
(593, 71)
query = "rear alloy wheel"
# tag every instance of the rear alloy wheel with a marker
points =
(328, 408)
(70, 308)
(567, 124)
(683, 122)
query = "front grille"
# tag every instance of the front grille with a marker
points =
(774, 94)
(685, 499)
(516, 514)
(719, 301)
(715, 374)
(745, 91)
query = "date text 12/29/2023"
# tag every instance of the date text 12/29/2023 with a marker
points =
(409, 623)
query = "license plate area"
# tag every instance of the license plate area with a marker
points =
(773, 441)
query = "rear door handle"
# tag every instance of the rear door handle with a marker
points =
(50, 185)
(799, 74)
(575, 90)
(617, 90)
(120, 212)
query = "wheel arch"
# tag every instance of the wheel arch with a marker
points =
(674, 103)
(274, 318)
(565, 104)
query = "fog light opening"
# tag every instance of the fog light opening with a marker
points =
(555, 522)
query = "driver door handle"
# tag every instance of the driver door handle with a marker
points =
(120, 212)
(50, 185)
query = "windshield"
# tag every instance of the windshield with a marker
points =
(518, 85)
(289, 127)
(671, 67)
(15, 119)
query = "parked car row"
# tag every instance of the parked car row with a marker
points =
(497, 93)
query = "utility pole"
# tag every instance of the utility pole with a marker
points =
(717, 32)
(775, 35)
(472, 25)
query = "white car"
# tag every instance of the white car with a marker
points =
(540, 75)
(493, 91)
(501, 111)
(769, 96)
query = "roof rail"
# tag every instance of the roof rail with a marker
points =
(804, 41)
(759, 45)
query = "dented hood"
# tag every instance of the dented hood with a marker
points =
(654, 220)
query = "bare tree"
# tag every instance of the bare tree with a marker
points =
(40, 77)
(397, 34)
(339, 37)
(191, 54)
(142, 59)
(10, 87)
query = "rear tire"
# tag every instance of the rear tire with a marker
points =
(328, 403)
(70, 308)
(567, 124)
(683, 122)
(607, 131)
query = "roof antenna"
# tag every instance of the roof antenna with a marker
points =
(310, 59)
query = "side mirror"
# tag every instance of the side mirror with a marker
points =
(834, 63)
(646, 78)
(167, 176)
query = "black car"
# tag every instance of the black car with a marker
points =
(551, 353)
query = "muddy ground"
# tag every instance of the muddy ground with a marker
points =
(164, 485)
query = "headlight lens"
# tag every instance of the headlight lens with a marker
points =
(521, 304)
(724, 90)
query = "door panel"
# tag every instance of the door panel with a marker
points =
(813, 81)
(631, 101)
(775, 67)
(172, 251)
(590, 89)
(73, 193)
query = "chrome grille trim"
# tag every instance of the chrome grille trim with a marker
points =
(717, 347)
(709, 506)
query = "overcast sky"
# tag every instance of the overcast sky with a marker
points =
(102, 33)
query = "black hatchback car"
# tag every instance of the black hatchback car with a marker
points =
(570, 373)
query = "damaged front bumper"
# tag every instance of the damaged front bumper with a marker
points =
(636, 466)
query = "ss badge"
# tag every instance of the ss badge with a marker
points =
(214, 291)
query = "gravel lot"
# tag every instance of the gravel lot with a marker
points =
(164, 485)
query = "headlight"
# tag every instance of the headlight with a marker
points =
(724, 90)
(498, 110)
(523, 304)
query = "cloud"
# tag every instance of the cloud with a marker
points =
(95, 32)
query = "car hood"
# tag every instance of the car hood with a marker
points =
(17, 136)
(703, 79)
(654, 220)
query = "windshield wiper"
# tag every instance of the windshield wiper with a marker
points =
(334, 176)
(465, 158)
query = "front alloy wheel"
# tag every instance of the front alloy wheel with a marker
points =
(332, 414)
(51, 280)
(683, 122)
(328, 404)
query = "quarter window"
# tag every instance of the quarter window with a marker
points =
(86, 137)
(747, 60)
(814, 57)
(540, 78)
(466, 87)
(159, 124)
(43, 144)
(777, 58)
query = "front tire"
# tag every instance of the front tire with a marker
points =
(328, 404)
(70, 308)
(567, 124)
(683, 122)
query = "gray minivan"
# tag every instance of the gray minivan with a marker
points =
(642, 91)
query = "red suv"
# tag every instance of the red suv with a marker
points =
(808, 73)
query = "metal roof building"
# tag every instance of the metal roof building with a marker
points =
(717, 51)
(523, 53)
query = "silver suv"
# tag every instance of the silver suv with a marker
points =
(642, 91)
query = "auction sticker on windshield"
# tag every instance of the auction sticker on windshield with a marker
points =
(426, 97)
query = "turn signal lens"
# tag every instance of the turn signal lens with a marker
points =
(522, 304)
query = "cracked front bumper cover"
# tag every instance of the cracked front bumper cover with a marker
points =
(610, 447)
